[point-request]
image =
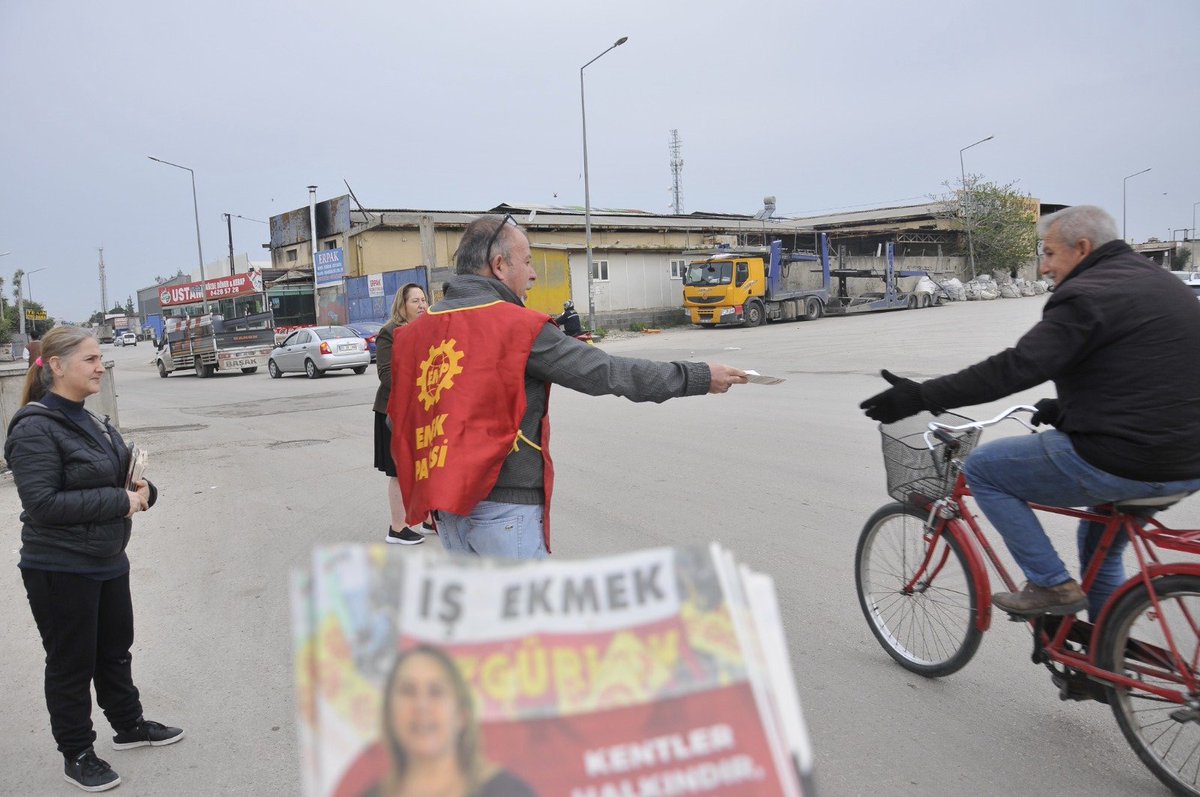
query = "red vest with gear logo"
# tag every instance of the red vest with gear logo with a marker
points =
(456, 404)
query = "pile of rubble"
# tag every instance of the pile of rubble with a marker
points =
(985, 288)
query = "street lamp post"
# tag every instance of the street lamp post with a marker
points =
(196, 211)
(587, 195)
(967, 207)
(1124, 182)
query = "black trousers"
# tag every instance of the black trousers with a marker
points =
(87, 631)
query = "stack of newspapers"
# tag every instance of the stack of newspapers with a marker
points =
(653, 673)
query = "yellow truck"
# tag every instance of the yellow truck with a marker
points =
(750, 286)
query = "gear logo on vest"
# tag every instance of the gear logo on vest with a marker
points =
(438, 372)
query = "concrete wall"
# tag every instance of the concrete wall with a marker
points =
(12, 378)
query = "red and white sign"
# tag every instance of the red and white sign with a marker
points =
(374, 285)
(215, 288)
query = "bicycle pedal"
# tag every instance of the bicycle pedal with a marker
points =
(1186, 715)
(1079, 689)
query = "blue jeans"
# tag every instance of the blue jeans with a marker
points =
(510, 531)
(1006, 474)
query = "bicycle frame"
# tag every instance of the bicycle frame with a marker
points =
(1147, 537)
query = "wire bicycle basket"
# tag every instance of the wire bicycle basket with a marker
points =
(915, 469)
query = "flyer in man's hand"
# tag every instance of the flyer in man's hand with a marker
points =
(755, 378)
(137, 465)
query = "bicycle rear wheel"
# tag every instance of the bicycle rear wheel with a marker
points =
(1165, 735)
(929, 629)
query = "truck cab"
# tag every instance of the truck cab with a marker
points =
(723, 288)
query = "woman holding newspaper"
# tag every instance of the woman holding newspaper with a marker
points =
(432, 735)
(78, 495)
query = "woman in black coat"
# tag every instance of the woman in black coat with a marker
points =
(408, 306)
(70, 468)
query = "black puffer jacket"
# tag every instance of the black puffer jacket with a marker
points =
(72, 492)
(1120, 338)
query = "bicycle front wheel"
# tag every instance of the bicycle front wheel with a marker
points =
(1133, 641)
(927, 625)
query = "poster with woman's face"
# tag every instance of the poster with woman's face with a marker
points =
(610, 677)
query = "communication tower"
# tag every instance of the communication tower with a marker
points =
(676, 173)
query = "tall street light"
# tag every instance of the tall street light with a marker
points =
(23, 287)
(196, 211)
(587, 195)
(967, 207)
(1125, 182)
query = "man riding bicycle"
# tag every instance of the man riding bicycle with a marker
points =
(1120, 339)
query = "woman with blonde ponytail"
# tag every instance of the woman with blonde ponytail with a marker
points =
(70, 469)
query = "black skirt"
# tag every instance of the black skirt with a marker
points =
(383, 446)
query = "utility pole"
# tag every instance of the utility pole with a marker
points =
(103, 285)
(19, 289)
(229, 227)
(312, 223)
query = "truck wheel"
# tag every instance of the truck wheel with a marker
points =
(198, 366)
(273, 369)
(310, 368)
(162, 369)
(250, 370)
(926, 300)
(362, 369)
(813, 309)
(912, 302)
(755, 314)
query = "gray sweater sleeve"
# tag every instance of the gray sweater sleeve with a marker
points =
(569, 362)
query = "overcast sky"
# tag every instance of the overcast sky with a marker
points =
(462, 106)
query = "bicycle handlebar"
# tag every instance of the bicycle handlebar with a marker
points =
(942, 431)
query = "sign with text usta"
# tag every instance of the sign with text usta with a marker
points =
(330, 267)
(215, 288)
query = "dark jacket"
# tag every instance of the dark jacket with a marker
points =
(1120, 338)
(562, 360)
(383, 366)
(72, 491)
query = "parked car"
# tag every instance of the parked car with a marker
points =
(367, 330)
(316, 350)
(125, 339)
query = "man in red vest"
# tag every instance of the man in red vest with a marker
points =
(470, 391)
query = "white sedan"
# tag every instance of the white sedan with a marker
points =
(315, 350)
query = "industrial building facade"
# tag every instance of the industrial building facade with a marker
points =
(638, 258)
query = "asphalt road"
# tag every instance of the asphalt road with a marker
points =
(253, 472)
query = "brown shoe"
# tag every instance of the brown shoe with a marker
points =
(1033, 600)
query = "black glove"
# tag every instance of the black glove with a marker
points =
(899, 401)
(1049, 412)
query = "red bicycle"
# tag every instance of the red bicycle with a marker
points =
(922, 573)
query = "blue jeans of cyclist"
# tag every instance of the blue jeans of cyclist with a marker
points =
(1006, 474)
(511, 531)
